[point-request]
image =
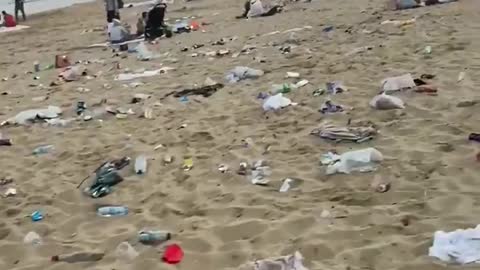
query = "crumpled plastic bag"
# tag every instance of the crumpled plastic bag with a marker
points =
(398, 83)
(363, 160)
(459, 246)
(29, 116)
(106, 176)
(289, 262)
(242, 73)
(73, 73)
(386, 102)
(256, 9)
(143, 54)
(276, 102)
(147, 73)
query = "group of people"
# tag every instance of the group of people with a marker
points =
(8, 20)
(149, 25)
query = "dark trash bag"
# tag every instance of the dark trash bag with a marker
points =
(106, 176)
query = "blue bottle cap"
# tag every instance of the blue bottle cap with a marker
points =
(37, 216)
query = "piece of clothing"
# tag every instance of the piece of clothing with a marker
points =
(19, 7)
(155, 25)
(9, 21)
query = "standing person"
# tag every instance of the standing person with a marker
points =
(19, 6)
(112, 10)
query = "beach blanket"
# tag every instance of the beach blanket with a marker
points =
(13, 29)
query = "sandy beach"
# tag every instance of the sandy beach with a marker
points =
(222, 220)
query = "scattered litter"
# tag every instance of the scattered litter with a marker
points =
(44, 149)
(318, 92)
(159, 146)
(30, 116)
(73, 73)
(382, 187)
(243, 168)
(36, 216)
(287, 185)
(428, 50)
(148, 113)
(289, 262)
(393, 84)
(106, 176)
(5, 142)
(147, 73)
(329, 107)
(300, 84)
(187, 164)
(173, 254)
(10, 192)
(259, 174)
(149, 237)
(399, 22)
(386, 102)
(461, 76)
(277, 102)
(459, 246)
(223, 168)
(141, 164)
(335, 87)
(32, 238)
(204, 91)
(474, 137)
(360, 160)
(353, 134)
(79, 257)
(167, 159)
(293, 75)
(242, 73)
(5, 181)
(125, 252)
(112, 211)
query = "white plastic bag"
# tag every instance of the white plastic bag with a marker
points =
(356, 161)
(386, 102)
(276, 102)
(393, 84)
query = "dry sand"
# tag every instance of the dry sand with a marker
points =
(221, 220)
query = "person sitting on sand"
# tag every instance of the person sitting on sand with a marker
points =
(118, 32)
(259, 8)
(8, 20)
(155, 26)
(141, 24)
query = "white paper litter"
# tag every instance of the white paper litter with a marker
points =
(147, 73)
(392, 84)
(460, 246)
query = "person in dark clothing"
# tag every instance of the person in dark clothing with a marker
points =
(112, 7)
(19, 7)
(155, 26)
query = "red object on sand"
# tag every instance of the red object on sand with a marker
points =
(173, 254)
(478, 157)
(194, 26)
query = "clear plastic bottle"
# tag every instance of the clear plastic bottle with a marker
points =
(153, 237)
(112, 211)
(141, 164)
(44, 149)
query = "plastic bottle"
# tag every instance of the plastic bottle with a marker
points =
(32, 238)
(79, 257)
(141, 164)
(44, 149)
(112, 211)
(152, 237)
